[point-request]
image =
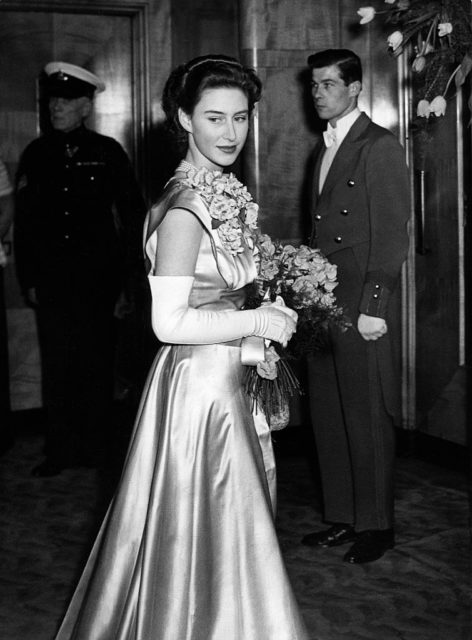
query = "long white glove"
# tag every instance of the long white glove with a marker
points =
(175, 322)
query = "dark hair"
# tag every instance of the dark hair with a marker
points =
(187, 82)
(350, 67)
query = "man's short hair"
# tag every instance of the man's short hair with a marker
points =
(349, 63)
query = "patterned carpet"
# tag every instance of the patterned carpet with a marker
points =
(419, 591)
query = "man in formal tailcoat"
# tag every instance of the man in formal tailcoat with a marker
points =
(78, 225)
(360, 210)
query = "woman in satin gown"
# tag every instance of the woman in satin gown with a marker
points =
(188, 549)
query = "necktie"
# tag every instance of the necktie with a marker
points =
(329, 137)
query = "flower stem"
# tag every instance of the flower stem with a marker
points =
(450, 79)
(430, 32)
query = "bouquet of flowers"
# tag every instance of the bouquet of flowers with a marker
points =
(305, 281)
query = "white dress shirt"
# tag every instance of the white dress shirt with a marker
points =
(333, 137)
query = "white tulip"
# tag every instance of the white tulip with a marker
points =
(438, 106)
(444, 29)
(366, 13)
(423, 109)
(394, 40)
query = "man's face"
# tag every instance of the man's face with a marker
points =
(68, 113)
(332, 98)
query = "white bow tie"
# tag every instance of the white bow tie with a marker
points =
(329, 137)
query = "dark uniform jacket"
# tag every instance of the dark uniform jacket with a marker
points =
(79, 216)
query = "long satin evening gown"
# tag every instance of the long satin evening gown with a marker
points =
(188, 549)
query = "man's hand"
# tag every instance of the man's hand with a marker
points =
(371, 328)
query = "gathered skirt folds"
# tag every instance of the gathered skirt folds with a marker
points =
(188, 549)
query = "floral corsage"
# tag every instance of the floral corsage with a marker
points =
(232, 209)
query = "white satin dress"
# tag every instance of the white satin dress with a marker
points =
(188, 549)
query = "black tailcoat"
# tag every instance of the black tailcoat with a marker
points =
(360, 224)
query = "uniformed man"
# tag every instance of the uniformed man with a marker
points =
(77, 243)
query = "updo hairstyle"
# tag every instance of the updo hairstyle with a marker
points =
(187, 82)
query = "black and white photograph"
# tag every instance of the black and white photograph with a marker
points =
(235, 319)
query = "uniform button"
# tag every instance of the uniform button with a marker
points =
(344, 212)
(376, 295)
(66, 213)
(66, 237)
(92, 177)
(338, 239)
(377, 286)
(318, 217)
(65, 189)
(350, 183)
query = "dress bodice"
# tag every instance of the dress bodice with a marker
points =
(220, 277)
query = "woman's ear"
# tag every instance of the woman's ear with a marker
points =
(185, 120)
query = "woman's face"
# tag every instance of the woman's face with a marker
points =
(217, 128)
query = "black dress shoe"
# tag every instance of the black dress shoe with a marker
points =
(46, 469)
(338, 534)
(370, 545)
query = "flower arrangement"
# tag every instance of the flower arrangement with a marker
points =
(305, 281)
(440, 32)
(232, 210)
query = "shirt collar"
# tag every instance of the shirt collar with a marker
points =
(344, 124)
